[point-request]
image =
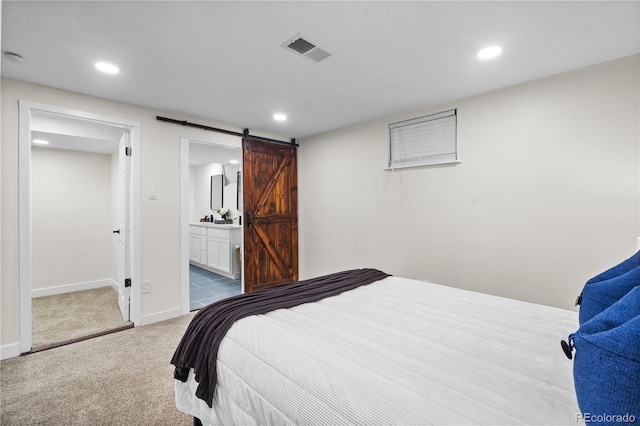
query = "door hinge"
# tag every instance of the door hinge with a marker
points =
(127, 282)
(127, 151)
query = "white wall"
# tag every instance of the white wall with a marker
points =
(71, 222)
(546, 196)
(200, 181)
(202, 188)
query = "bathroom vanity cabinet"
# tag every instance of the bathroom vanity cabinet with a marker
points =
(213, 247)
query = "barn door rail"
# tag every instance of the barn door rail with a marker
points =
(199, 126)
(244, 134)
(247, 136)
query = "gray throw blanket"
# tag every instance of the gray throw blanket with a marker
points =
(198, 348)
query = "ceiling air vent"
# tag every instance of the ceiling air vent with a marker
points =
(305, 48)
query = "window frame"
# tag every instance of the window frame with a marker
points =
(428, 133)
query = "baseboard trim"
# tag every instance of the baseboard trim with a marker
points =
(10, 351)
(69, 288)
(161, 316)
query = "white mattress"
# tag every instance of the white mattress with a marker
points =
(395, 352)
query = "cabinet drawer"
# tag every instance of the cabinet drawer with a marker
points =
(194, 229)
(203, 230)
(219, 233)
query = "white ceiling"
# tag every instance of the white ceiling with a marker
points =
(64, 132)
(202, 153)
(223, 61)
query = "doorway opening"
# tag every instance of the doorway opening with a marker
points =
(79, 233)
(211, 221)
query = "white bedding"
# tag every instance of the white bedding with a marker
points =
(395, 352)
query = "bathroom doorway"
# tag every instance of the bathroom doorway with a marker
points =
(211, 252)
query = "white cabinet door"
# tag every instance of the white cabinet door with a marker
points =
(203, 246)
(216, 249)
(194, 248)
(213, 252)
(224, 259)
(219, 254)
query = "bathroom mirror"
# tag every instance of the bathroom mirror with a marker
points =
(217, 189)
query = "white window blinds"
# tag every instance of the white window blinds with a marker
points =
(423, 141)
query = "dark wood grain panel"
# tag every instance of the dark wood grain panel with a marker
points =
(271, 212)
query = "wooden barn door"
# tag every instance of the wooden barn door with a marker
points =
(270, 213)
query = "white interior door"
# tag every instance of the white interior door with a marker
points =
(124, 259)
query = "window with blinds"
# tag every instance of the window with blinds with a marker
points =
(423, 141)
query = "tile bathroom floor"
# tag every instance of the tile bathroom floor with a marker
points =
(207, 287)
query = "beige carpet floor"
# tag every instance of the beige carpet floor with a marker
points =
(69, 316)
(124, 378)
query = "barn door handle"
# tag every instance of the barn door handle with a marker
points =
(249, 217)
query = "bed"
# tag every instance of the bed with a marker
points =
(395, 351)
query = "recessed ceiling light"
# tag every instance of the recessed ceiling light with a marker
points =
(107, 68)
(40, 142)
(489, 52)
(279, 117)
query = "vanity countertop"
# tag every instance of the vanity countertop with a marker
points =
(215, 225)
